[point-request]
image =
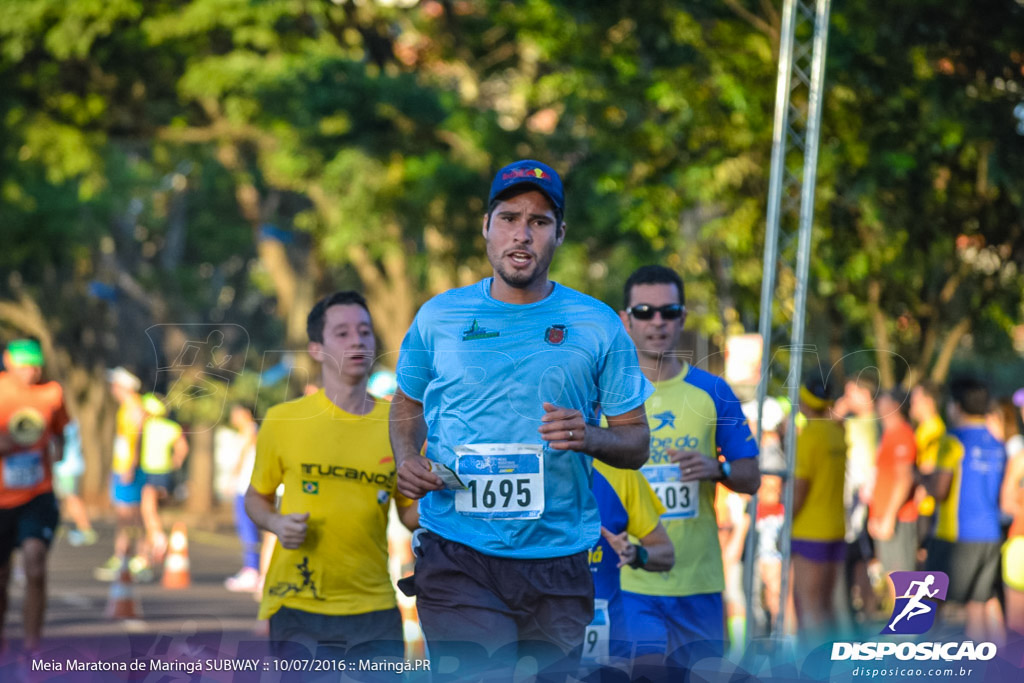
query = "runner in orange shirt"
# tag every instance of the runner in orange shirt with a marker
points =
(32, 421)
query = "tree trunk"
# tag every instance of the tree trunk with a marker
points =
(883, 347)
(200, 470)
(949, 347)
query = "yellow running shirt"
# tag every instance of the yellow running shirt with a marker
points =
(931, 439)
(158, 438)
(339, 468)
(126, 439)
(693, 411)
(821, 460)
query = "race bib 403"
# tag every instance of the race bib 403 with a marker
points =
(680, 498)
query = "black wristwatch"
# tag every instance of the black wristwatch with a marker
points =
(724, 470)
(640, 561)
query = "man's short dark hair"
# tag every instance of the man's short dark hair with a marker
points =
(316, 319)
(515, 191)
(866, 379)
(931, 389)
(900, 397)
(652, 275)
(970, 395)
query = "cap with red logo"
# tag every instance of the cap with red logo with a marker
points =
(541, 176)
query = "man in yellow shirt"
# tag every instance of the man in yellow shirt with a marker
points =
(930, 435)
(127, 480)
(693, 416)
(328, 579)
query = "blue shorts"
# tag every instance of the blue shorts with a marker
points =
(683, 629)
(127, 494)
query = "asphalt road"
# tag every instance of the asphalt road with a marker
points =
(183, 626)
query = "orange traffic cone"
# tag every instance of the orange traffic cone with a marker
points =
(176, 567)
(122, 603)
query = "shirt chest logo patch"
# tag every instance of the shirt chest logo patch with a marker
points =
(555, 335)
(476, 331)
(312, 487)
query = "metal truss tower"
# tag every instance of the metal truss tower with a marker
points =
(794, 162)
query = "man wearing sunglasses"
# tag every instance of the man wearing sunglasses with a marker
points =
(694, 416)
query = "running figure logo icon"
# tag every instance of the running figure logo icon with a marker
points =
(916, 596)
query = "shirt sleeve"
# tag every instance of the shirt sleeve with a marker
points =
(267, 471)
(732, 434)
(951, 452)
(60, 418)
(642, 504)
(415, 369)
(621, 384)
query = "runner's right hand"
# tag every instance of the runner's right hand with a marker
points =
(291, 529)
(415, 479)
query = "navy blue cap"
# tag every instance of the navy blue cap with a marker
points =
(541, 176)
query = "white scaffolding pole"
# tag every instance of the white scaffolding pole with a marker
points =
(793, 173)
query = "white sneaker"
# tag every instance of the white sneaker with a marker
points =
(245, 581)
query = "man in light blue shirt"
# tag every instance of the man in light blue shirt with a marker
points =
(505, 381)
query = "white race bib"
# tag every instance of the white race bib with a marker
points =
(680, 498)
(503, 481)
(22, 470)
(597, 635)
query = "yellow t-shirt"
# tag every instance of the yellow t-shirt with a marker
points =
(931, 437)
(950, 455)
(339, 468)
(158, 438)
(821, 460)
(126, 436)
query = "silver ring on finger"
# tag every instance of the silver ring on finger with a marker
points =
(570, 434)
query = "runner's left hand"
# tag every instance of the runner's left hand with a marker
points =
(694, 466)
(563, 428)
(621, 545)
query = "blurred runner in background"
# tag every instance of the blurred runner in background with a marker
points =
(32, 422)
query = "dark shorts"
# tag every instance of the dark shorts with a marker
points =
(973, 568)
(163, 481)
(819, 551)
(487, 612)
(899, 553)
(296, 633)
(38, 518)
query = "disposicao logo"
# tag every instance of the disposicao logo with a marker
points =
(915, 608)
(917, 597)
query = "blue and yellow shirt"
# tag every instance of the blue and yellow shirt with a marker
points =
(694, 411)
(626, 503)
(970, 512)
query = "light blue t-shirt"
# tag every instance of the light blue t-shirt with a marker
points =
(483, 368)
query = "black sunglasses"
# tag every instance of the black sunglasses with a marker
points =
(647, 311)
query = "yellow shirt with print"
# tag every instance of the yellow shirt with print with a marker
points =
(339, 468)
(930, 437)
(821, 460)
(698, 566)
